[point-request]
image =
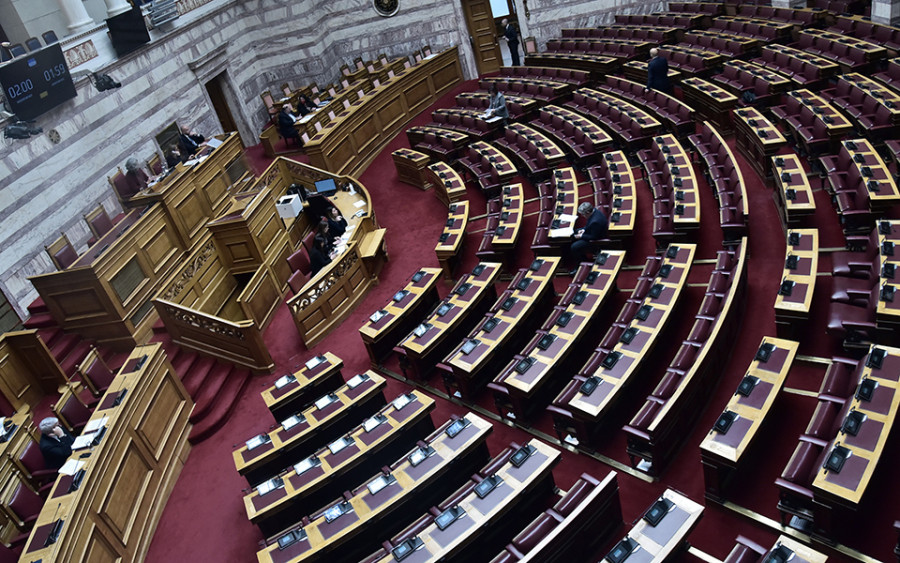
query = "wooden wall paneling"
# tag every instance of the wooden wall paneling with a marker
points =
(261, 297)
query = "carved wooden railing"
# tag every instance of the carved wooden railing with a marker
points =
(237, 342)
(330, 296)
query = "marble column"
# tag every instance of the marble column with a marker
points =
(886, 11)
(116, 7)
(76, 16)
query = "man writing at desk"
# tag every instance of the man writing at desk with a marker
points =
(56, 443)
(594, 229)
(497, 107)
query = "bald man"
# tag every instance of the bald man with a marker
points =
(512, 37)
(658, 73)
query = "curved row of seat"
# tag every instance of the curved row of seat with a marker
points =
(535, 153)
(531, 377)
(676, 198)
(615, 192)
(631, 126)
(675, 114)
(634, 32)
(582, 407)
(659, 427)
(726, 179)
(582, 138)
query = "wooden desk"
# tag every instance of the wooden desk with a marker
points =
(294, 392)
(291, 440)
(887, 314)
(512, 312)
(453, 237)
(512, 209)
(365, 128)
(885, 96)
(517, 393)
(385, 327)
(793, 194)
(745, 43)
(411, 165)
(389, 506)
(480, 515)
(711, 100)
(722, 454)
(847, 487)
(565, 189)
(686, 208)
(872, 167)
(441, 332)
(449, 187)
(792, 311)
(658, 543)
(351, 457)
(128, 477)
(597, 135)
(836, 122)
(551, 150)
(757, 138)
(619, 175)
(800, 553)
(502, 165)
(614, 380)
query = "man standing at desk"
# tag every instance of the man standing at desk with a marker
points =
(56, 443)
(658, 73)
(594, 229)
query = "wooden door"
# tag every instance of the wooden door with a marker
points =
(217, 96)
(483, 35)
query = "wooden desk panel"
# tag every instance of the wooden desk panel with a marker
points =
(449, 187)
(129, 475)
(847, 487)
(284, 398)
(887, 313)
(795, 308)
(453, 237)
(412, 482)
(481, 514)
(358, 134)
(615, 379)
(757, 138)
(722, 453)
(384, 328)
(314, 426)
(658, 543)
(410, 165)
(468, 369)
(442, 330)
(400, 429)
(792, 192)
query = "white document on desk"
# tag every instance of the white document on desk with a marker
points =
(566, 218)
(82, 441)
(71, 467)
(94, 425)
(561, 232)
(494, 119)
(213, 143)
(360, 203)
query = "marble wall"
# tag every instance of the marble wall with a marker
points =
(45, 188)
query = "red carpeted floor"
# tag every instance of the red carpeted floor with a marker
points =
(205, 518)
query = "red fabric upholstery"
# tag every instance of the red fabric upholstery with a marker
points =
(534, 533)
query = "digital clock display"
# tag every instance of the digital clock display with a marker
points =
(37, 82)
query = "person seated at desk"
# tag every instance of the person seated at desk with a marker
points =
(324, 233)
(286, 124)
(56, 443)
(304, 106)
(594, 229)
(337, 225)
(190, 141)
(173, 158)
(497, 107)
(135, 178)
(318, 255)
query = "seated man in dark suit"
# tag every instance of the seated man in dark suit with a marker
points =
(286, 124)
(190, 141)
(56, 443)
(594, 229)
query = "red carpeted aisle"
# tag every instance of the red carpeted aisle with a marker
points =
(205, 518)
